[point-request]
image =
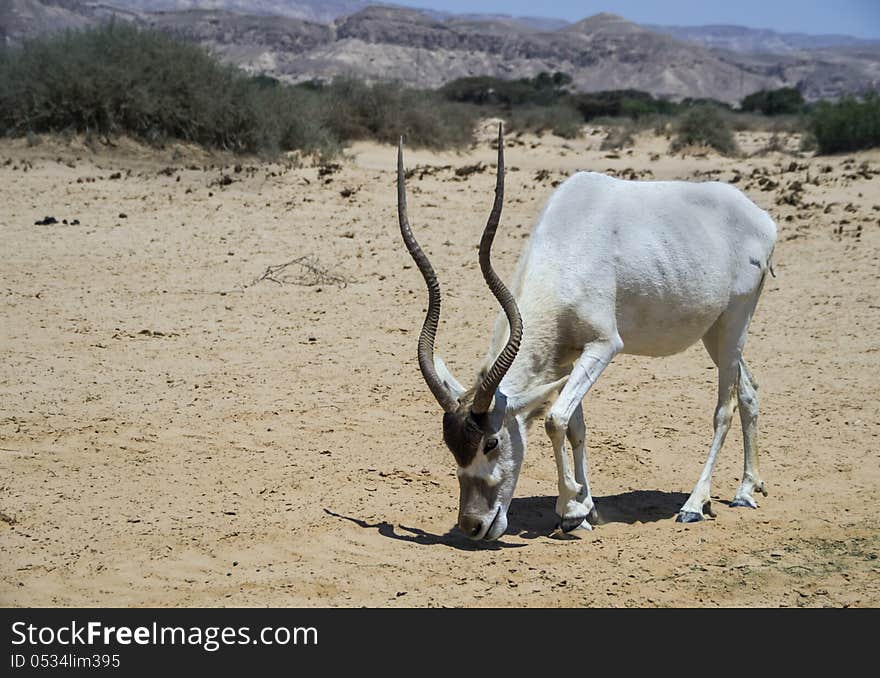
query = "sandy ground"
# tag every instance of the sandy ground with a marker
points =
(173, 433)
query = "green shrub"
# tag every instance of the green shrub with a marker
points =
(540, 104)
(704, 125)
(628, 103)
(691, 102)
(848, 125)
(542, 90)
(383, 111)
(783, 101)
(118, 79)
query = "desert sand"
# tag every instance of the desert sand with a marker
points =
(176, 431)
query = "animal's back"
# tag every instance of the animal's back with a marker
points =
(666, 257)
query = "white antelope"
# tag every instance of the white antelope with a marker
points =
(639, 267)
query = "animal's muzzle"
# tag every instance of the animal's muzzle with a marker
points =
(473, 527)
(480, 527)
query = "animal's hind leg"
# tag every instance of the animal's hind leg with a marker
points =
(700, 499)
(747, 394)
(724, 341)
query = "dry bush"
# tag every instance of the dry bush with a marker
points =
(704, 126)
(560, 119)
(383, 111)
(618, 137)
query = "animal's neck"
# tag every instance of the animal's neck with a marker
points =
(523, 377)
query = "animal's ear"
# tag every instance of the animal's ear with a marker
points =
(498, 411)
(534, 397)
(450, 382)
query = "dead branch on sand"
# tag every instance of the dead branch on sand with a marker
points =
(308, 272)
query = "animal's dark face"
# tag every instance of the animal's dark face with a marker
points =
(489, 450)
(463, 432)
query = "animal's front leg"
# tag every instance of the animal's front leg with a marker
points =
(575, 504)
(572, 513)
(576, 435)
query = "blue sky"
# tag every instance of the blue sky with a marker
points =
(852, 17)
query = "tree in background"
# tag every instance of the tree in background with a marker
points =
(782, 101)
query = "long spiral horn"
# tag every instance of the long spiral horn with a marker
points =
(429, 329)
(486, 390)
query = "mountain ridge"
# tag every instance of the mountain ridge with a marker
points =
(427, 49)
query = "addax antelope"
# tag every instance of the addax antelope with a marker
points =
(612, 266)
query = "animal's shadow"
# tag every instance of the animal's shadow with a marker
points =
(532, 517)
(415, 535)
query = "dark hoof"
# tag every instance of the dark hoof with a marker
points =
(688, 517)
(570, 524)
(742, 503)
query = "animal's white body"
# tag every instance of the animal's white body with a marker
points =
(612, 266)
(640, 267)
(654, 263)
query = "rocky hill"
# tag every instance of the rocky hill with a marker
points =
(298, 40)
(602, 52)
(757, 40)
(314, 11)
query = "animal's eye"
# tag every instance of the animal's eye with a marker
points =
(490, 445)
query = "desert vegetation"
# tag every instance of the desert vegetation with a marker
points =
(704, 125)
(782, 101)
(118, 79)
(848, 125)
